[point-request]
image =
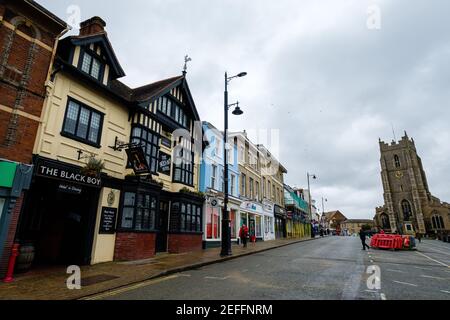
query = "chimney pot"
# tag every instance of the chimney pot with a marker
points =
(92, 26)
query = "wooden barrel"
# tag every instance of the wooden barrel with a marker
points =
(25, 258)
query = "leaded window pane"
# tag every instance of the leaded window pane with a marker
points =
(95, 72)
(83, 123)
(70, 125)
(95, 127)
(86, 65)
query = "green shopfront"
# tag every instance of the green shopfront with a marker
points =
(14, 179)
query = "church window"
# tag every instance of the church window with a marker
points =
(397, 161)
(406, 208)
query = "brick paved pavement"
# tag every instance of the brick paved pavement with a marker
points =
(50, 283)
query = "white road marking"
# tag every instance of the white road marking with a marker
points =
(423, 268)
(184, 275)
(392, 270)
(429, 258)
(446, 253)
(130, 288)
(431, 277)
(406, 283)
(445, 291)
(218, 278)
(383, 296)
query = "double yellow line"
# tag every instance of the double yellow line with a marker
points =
(129, 288)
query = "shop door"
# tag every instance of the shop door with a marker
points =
(252, 227)
(162, 225)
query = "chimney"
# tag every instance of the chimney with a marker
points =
(92, 26)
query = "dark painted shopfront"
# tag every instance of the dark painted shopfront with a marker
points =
(280, 222)
(152, 220)
(59, 214)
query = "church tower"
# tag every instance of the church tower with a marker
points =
(406, 192)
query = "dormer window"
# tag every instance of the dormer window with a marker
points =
(91, 66)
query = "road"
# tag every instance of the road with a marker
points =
(328, 268)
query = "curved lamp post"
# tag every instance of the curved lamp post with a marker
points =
(226, 223)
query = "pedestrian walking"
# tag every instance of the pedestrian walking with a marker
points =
(243, 234)
(362, 236)
(419, 237)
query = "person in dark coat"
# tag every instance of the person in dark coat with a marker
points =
(362, 236)
(243, 234)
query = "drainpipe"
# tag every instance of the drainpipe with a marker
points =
(55, 47)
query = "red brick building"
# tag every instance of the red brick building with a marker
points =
(28, 40)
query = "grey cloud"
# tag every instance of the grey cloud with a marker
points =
(316, 72)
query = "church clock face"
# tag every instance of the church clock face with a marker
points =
(399, 174)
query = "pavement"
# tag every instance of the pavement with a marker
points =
(50, 283)
(334, 268)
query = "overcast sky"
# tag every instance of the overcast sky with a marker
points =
(321, 72)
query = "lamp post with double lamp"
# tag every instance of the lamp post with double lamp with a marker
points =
(226, 223)
(310, 200)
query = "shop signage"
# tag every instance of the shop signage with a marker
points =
(165, 163)
(68, 188)
(214, 202)
(108, 221)
(268, 207)
(250, 206)
(137, 159)
(166, 142)
(62, 172)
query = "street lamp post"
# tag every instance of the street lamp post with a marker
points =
(310, 200)
(226, 223)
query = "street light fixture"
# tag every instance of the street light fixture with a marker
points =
(226, 223)
(310, 200)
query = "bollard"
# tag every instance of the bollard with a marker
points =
(12, 261)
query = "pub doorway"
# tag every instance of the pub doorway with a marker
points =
(162, 225)
(58, 221)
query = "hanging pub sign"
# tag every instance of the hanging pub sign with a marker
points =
(164, 163)
(137, 160)
(108, 221)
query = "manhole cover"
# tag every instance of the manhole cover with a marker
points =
(88, 281)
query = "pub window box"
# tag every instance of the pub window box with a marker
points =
(82, 123)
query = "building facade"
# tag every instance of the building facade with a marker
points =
(28, 39)
(116, 169)
(334, 220)
(353, 226)
(409, 207)
(298, 221)
(212, 185)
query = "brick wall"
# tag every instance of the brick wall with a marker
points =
(10, 239)
(134, 246)
(179, 243)
(34, 90)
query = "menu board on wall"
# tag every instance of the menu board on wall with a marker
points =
(108, 221)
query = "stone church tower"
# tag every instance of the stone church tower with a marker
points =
(409, 206)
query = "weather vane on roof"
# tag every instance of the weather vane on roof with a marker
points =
(186, 60)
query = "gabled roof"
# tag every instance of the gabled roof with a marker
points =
(46, 12)
(102, 39)
(158, 89)
(333, 214)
